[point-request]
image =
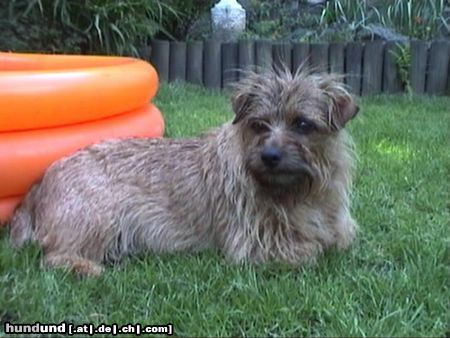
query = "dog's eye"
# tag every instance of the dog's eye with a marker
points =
(259, 127)
(304, 126)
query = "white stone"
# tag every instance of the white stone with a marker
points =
(228, 20)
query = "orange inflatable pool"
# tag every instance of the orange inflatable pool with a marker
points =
(39, 91)
(53, 105)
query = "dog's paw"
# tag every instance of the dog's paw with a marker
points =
(81, 266)
(86, 268)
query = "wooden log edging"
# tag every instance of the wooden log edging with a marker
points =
(439, 59)
(159, 58)
(177, 61)
(300, 56)
(263, 55)
(282, 55)
(319, 57)
(353, 66)
(418, 71)
(194, 63)
(372, 77)
(230, 63)
(246, 55)
(212, 66)
(336, 54)
(368, 68)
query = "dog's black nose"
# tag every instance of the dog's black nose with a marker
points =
(271, 157)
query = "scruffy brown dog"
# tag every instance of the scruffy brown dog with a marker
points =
(272, 185)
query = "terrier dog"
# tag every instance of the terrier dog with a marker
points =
(273, 184)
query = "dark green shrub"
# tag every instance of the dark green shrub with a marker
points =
(82, 26)
(276, 20)
(180, 26)
(342, 20)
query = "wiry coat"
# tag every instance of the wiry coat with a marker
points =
(122, 197)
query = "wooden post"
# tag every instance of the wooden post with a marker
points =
(438, 68)
(353, 66)
(448, 81)
(282, 56)
(246, 55)
(263, 55)
(300, 56)
(160, 58)
(194, 64)
(229, 63)
(373, 68)
(419, 59)
(212, 68)
(177, 63)
(145, 52)
(319, 57)
(336, 53)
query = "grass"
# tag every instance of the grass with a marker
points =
(393, 282)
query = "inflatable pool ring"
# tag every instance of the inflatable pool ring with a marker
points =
(68, 102)
(29, 153)
(39, 91)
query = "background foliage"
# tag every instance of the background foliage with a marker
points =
(82, 26)
(345, 20)
(191, 15)
(123, 26)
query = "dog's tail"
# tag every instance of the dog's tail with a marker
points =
(22, 224)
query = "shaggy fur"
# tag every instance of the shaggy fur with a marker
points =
(272, 185)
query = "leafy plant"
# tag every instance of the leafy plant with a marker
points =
(111, 27)
(188, 12)
(419, 19)
(347, 11)
(267, 29)
(341, 20)
(403, 62)
(261, 21)
(276, 20)
(24, 29)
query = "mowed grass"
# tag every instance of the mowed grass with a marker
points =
(393, 282)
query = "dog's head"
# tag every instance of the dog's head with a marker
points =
(288, 124)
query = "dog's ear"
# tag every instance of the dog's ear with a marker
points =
(240, 102)
(342, 107)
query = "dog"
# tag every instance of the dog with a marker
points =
(273, 184)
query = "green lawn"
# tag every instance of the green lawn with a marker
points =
(393, 282)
